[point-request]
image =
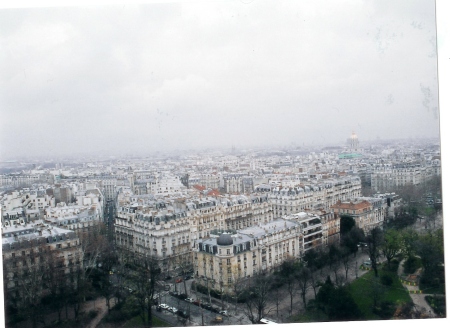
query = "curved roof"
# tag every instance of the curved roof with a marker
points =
(224, 240)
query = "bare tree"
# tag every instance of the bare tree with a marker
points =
(303, 279)
(315, 278)
(278, 293)
(374, 241)
(56, 279)
(345, 259)
(30, 288)
(391, 245)
(256, 305)
(238, 284)
(287, 274)
(145, 278)
(185, 266)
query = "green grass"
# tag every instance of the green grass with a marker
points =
(433, 289)
(362, 290)
(437, 303)
(310, 315)
(137, 322)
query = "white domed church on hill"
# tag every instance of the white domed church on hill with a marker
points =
(352, 149)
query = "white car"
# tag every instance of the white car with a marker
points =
(164, 306)
(190, 300)
(173, 309)
(224, 312)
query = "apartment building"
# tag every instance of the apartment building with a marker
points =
(160, 231)
(388, 176)
(331, 225)
(368, 213)
(221, 260)
(74, 217)
(29, 251)
(165, 229)
(323, 194)
(311, 229)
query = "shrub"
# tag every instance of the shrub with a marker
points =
(386, 280)
(393, 267)
(385, 310)
(92, 314)
(411, 265)
(123, 311)
(437, 304)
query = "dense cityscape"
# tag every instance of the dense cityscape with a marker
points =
(201, 233)
(221, 163)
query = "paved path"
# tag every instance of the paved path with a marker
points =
(418, 299)
(98, 305)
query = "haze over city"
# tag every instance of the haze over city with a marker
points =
(167, 76)
(203, 163)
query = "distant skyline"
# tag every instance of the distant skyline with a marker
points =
(191, 75)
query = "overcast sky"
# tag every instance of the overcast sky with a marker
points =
(205, 74)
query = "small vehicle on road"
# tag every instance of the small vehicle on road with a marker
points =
(164, 306)
(179, 280)
(224, 312)
(190, 300)
(173, 309)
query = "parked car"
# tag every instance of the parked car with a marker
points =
(173, 309)
(179, 280)
(188, 277)
(207, 306)
(164, 306)
(190, 300)
(183, 314)
(223, 312)
(196, 302)
(168, 277)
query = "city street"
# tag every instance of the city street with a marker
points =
(238, 317)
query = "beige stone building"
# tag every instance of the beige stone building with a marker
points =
(29, 251)
(223, 260)
(367, 214)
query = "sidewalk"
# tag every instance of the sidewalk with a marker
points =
(412, 285)
(98, 305)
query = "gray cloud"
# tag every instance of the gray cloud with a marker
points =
(166, 76)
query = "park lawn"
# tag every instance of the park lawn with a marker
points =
(310, 315)
(137, 322)
(440, 290)
(361, 291)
